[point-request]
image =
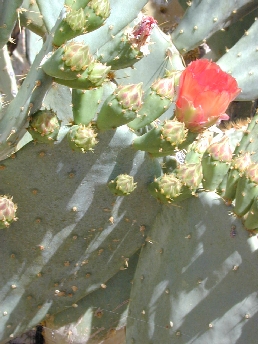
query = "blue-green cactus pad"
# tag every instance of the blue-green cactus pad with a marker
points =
(69, 225)
(196, 280)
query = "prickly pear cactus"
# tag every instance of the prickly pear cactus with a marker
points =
(113, 143)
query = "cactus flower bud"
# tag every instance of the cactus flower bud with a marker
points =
(76, 20)
(221, 150)
(205, 92)
(98, 73)
(7, 211)
(122, 185)
(173, 132)
(216, 163)
(77, 56)
(190, 174)
(241, 162)
(130, 96)
(44, 126)
(100, 7)
(120, 107)
(82, 138)
(251, 172)
(166, 188)
(164, 87)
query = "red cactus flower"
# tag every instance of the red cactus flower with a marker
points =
(205, 92)
(142, 31)
(139, 36)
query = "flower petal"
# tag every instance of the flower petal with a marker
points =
(212, 103)
(188, 86)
